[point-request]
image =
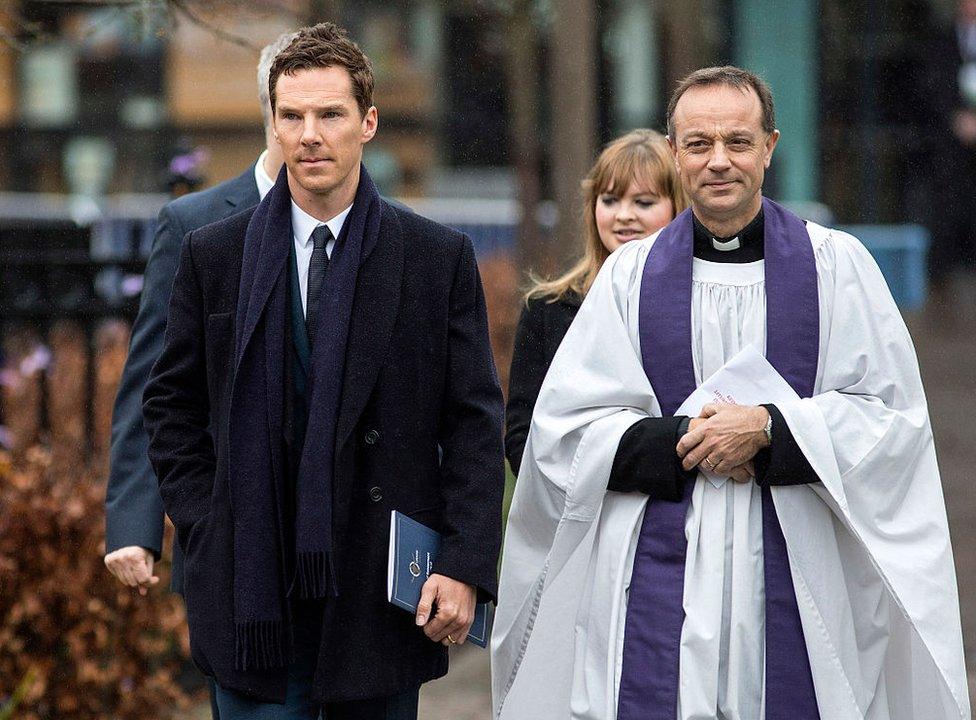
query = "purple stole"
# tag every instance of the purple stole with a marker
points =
(655, 613)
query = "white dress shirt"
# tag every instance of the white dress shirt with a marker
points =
(264, 181)
(302, 225)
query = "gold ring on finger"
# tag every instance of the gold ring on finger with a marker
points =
(450, 639)
(709, 464)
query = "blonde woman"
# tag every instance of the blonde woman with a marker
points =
(632, 191)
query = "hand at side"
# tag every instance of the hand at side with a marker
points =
(454, 603)
(133, 566)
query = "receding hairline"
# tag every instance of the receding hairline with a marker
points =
(718, 84)
(726, 75)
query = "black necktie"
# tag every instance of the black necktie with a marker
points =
(316, 273)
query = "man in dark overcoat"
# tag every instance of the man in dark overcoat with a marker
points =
(326, 362)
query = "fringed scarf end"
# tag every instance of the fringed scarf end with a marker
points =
(315, 574)
(259, 645)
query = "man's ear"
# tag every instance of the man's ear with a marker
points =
(674, 150)
(370, 124)
(771, 141)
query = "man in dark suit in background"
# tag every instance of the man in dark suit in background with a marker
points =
(133, 509)
(326, 362)
(952, 91)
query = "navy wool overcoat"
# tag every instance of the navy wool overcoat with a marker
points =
(419, 430)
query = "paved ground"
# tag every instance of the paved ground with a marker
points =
(945, 338)
(464, 693)
(946, 345)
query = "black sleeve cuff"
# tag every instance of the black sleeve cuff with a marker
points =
(647, 462)
(782, 463)
(514, 455)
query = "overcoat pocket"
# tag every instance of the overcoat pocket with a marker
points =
(219, 345)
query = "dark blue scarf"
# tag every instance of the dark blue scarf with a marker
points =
(256, 462)
(655, 613)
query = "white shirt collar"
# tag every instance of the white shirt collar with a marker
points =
(302, 224)
(264, 181)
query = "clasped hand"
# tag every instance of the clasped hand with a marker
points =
(724, 439)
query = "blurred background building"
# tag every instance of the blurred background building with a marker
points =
(499, 104)
(97, 97)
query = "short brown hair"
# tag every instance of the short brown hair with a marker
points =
(733, 77)
(321, 46)
(641, 156)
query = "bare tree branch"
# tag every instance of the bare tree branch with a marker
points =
(183, 8)
(189, 9)
(102, 3)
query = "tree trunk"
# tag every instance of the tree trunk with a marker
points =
(689, 38)
(324, 11)
(574, 131)
(523, 84)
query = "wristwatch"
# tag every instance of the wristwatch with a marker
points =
(769, 429)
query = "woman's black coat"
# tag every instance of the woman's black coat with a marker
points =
(541, 328)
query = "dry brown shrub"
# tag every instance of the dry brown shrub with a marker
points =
(68, 395)
(500, 279)
(98, 649)
(74, 643)
(111, 347)
(22, 389)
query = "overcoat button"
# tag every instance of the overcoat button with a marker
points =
(375, 494)
(371, 437)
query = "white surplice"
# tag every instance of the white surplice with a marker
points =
(868, 546)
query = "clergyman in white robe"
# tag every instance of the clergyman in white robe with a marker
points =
(868, 545)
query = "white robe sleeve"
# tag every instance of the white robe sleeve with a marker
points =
(594, 391)
(866, 433)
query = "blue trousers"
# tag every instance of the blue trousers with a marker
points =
(214, 710)
(298, 706)
(298, 703)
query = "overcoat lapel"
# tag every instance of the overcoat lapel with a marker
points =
(243, 190)
(374, 312)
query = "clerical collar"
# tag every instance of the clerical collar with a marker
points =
(744, 246)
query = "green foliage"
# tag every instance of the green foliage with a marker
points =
(8, 708)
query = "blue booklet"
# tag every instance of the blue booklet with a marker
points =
(413, 549)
